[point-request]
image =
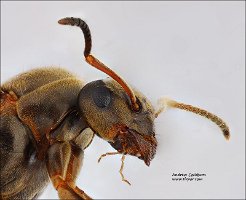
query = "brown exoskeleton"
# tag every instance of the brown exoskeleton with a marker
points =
(49, 117)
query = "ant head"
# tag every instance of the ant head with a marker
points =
(108, 110)
(117, 113)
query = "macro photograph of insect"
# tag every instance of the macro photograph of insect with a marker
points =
(122, 100)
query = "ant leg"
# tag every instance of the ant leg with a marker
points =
(63, 164)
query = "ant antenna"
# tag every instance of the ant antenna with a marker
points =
(95, 62)
(166, 102)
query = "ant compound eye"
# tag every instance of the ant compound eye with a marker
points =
(101, 96)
